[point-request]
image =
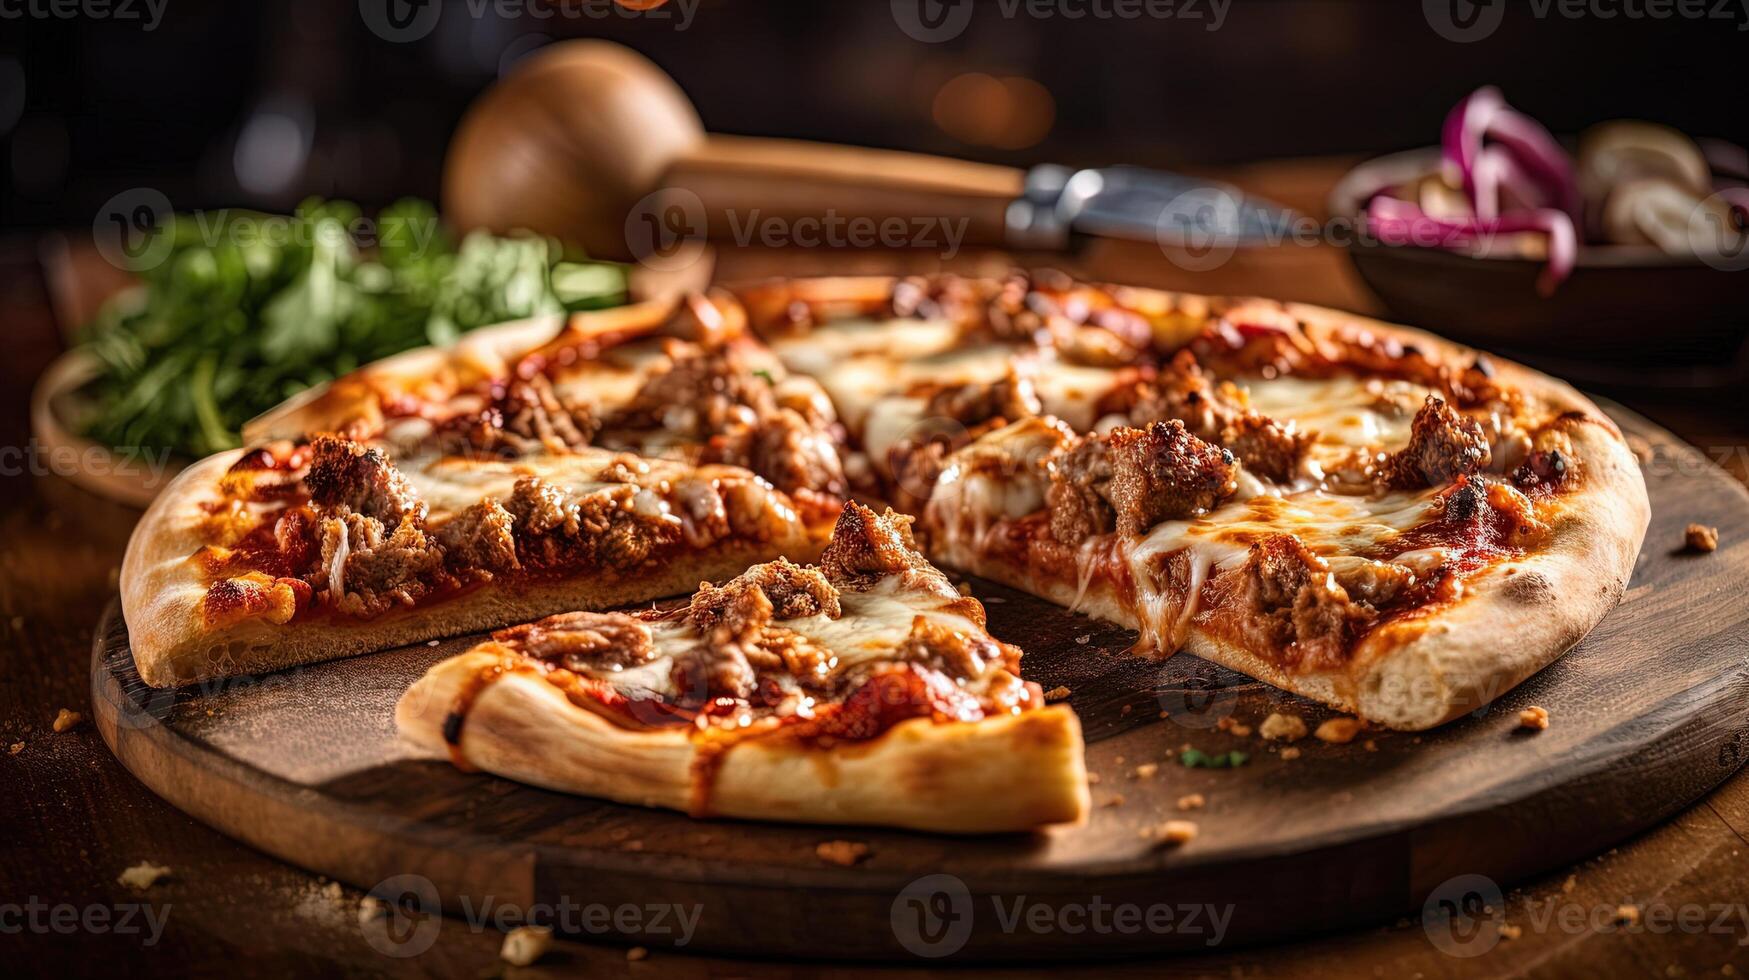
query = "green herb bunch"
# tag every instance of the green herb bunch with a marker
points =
(246, 310)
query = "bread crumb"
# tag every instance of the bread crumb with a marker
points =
(1283, 728)
(636, 953)
(432, 643)
(1192, 801)
(1510, 931)
(1289, 754)
(143, 875)
(1370, 745)
(1568, 885)
(1116, 799)
(1172, 832)
(16, 748)
(333, 892)
(1627, 915)
(1147, 770)
(1084, 639)
(1338, 731)
(1234, 726)
(1534, 718)
(1700, 537)
(844, 853)
(1127, 709)
(68, 719)
(1058, 693)
(1093, 779)
(370, 908)
(525, 944)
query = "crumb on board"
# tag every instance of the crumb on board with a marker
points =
(524, 945)
(844, 853)
(1338, 731)
(1508, 931)
(1084, 639)
(1290, 753)
(1058, 693)
(1233, 726)
(143, 875)
(1371, 745)
(1279, 727)
(333, 891)
(1147, 770)
(1700, 537)
(1115, 799)
(15, 748)
(1093, 779)
(370, 909)
(1568, 885)
(1192, 801)
(1172, 833)
(637, 953)
(1627, 915)
(1127, 709)
(67, 720)
(1534, 718)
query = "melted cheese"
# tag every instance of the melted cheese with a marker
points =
(872, 626)
(1342, 413)
(451, 484)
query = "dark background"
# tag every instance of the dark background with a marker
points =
(261, 102)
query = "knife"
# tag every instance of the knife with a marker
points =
(591, 142)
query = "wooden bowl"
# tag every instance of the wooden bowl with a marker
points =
(1628, 316)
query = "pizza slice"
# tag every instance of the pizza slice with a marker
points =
(865, 690)
(530, 469)
(1357, 512)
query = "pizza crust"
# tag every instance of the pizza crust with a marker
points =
(162, 591)
(1004, 773)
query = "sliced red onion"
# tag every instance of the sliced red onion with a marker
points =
(1397, 222)
(1484, 115)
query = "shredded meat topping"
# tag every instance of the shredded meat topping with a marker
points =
(346, 474)
(790, 590)
(702, 393)
(583, 641)
(536, 417)
(366, 571)
(479, 539)
(795, 455)
(866, 546)
(1294, 601)
(1443, 444)
(1220, 414)
(1010, 398)
(1130, 480)
(956, 654)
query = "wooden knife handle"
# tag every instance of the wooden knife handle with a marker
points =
(745, 182)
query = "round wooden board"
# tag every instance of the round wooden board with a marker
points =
(1649, 712)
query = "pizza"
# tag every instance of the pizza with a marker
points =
(534, 468)
(1380, 520)
(1370, 516)
(864, 690)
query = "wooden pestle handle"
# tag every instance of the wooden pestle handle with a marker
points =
(745, 182)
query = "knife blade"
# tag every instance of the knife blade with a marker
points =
(1060, 203)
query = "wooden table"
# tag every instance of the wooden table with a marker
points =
(73, 819)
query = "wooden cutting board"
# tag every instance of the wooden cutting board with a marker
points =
(1649, 713)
